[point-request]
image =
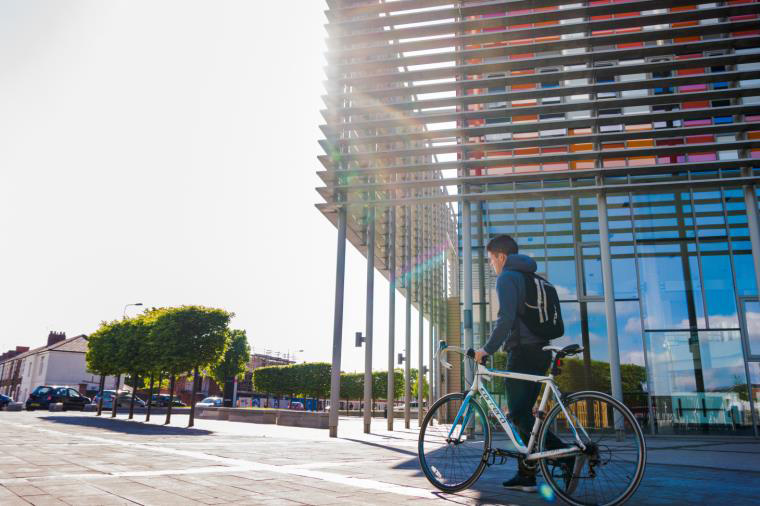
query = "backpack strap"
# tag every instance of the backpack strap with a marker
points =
(520, 308)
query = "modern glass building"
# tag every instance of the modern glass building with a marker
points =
(618, 142)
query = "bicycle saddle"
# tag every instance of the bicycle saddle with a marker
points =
(567, 351)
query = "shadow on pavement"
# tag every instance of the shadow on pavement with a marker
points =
(385, 447)
(126, 426)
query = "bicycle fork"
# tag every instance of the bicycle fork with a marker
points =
(464, 412)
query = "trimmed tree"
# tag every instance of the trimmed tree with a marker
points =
(101, 350)
(351, 387)
(414, 385)
(276, 380)
(191, 337)
(380, 384)
(236, 357)
(134, 351)
(315, 379)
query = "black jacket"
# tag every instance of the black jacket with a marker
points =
(510, 287)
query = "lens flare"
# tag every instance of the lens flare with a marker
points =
(546, 492)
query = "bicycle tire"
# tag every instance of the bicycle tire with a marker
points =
(423, 459)
(628, 418)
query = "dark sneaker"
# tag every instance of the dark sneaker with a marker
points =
(522, 483)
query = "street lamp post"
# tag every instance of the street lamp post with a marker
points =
(124, 313)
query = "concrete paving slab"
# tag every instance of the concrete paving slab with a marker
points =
(221, 462)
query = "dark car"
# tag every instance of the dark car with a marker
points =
(162, 401)
(43, 396)
(4, 401)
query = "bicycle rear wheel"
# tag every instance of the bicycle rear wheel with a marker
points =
(453, 452)
(610, 470)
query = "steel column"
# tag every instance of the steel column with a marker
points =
(609, 299)
(408, 330)
(390, 395)
(340, 272)
(431, 298)
(481, 275)
(467, 296)
(369, 316)
(420, 309)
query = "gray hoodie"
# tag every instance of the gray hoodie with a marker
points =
(510, 287)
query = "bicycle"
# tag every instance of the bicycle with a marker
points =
(602, 462)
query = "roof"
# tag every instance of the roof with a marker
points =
(76, 344)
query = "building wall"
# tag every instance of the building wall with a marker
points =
(560, 111)
(33, 370)
(70, 369)
(57, 368)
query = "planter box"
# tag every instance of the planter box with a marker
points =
(251, 415)
(286, 417)
(15, 406)
(91, 407)
(313, 420)
(211, 413)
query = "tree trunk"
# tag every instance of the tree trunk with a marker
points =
(134, 394)
(160, 379)
(171, 399)
(115, 398)
(192, 401)
(150, 398)
(100, 396)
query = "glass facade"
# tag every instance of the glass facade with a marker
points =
(687, 326)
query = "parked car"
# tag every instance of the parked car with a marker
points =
(214, 402)
(4, 401)
(124, 400)
(296, 405)
(162, 401)
(43, 396)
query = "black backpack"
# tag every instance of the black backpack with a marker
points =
(542, 314)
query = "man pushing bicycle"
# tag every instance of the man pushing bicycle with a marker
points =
(524, 344)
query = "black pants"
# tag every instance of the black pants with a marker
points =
(522, 395)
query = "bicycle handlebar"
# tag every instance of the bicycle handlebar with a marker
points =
(443, 347)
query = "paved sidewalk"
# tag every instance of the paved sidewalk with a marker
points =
(81, 459)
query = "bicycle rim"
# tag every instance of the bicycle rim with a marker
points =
(610, 472)
(453, 460)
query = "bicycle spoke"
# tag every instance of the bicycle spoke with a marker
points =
(613, 463)
(452, 462)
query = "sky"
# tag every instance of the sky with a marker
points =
(164, 152)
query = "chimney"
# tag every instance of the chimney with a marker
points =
(56, 337)
(22, 349)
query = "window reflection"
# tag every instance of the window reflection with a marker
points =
(719, 291)
(754, 380)
(698, 381)
(592, 272)
(670, 287)
(752, 326)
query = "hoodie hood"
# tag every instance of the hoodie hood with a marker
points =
(522, 263)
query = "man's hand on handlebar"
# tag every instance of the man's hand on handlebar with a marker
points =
(480, 356)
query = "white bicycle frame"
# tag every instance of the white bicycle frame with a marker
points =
(477, 387)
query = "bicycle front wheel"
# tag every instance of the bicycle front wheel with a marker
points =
(610, 470)
(454, 443)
